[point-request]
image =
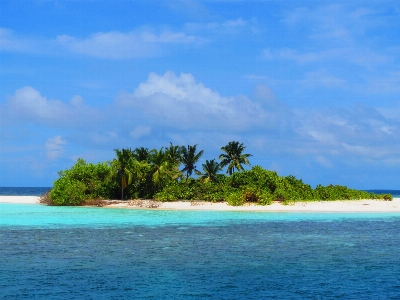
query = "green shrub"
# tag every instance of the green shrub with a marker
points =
(235, 198)
(68, 192)
(386, 197)
(82, 182)
(193, 190)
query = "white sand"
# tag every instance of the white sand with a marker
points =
(317, 206)
(19, 199)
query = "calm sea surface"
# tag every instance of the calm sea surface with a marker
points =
(100, 253)
(23, 191)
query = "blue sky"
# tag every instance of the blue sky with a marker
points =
(312, 88)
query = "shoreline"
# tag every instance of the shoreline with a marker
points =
(19, 199)
(313, 206)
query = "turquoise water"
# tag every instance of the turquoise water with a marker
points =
(100, 253)
(41, 216)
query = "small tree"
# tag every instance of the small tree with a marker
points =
(210, 170)
(82, 182)
(189, 159)
(234, 157)
(124, 166)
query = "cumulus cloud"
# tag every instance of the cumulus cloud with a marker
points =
(361, 131)
(9, 42)
(54, 147)
(180, 101)
(29, 104)
(182, 110)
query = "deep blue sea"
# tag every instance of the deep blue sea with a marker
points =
(102, 253)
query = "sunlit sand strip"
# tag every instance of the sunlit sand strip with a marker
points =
(19, 199)
(317, 206)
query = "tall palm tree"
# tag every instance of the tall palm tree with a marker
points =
(210, 170)
(122, 167)
(162, 169)
(234, 157)
(190, 158)
(173, 154)
(141, 154)
(174, 157)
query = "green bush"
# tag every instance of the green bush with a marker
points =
(386, 197)
(82, 182)
(235, 198)
(193, 190)
(339, 192)
(68, 192)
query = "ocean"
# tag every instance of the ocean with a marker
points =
(102, 253)
(23, 191)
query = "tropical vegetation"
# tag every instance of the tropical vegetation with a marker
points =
(166, 174)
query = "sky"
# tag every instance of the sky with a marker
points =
(311, 88)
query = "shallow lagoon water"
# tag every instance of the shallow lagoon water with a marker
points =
(34, 215)
(92, 253)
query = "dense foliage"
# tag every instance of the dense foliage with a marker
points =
(164, 175)
(84, 181)
(259, 186)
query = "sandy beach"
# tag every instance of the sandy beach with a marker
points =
(317, 206)
(19, 199)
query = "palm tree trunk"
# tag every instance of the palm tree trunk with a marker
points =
(122, 190)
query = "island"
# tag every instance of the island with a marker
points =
(153, 178)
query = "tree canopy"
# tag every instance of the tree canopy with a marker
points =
(165, 175)
(233, 157)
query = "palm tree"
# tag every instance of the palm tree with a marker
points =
(141, 154)
(233, 157)
(174, 157)
(122, 167)
(173, 154)
(210, 169)
(162, 169)
(189, 159)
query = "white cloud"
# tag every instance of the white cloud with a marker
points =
(355, 55)
(142, 42)
(8, 42)
(28, 103)
(301, 58)
(341, 32)
(180, 109)
(359, 131)
(386, 83)
(323, 161)
(140, 131)
(323, 78)
(54, 147)
(13, 42)
(120, 45)
(181, 102)
(231, 26)
(234, 23)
